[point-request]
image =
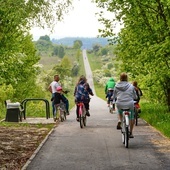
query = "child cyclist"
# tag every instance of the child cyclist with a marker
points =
(57, 100)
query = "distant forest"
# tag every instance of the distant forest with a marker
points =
(87, 42)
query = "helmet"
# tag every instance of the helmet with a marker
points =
(59, 88)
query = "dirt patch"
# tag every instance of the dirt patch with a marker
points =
(17, 144)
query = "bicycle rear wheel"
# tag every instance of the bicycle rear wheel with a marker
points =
(126, 137)
(84, 120)
(81, 121)
(136, 116)
(65, 115)
(123, 133)
(61, 116)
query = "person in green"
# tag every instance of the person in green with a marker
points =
(109, 89)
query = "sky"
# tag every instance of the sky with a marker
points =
(81, 22)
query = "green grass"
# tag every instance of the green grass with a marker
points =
(100, 91)
(157, 116)
(95, 61)
(15, 124)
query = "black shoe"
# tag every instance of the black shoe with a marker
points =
(68, 113)
(131, 135)
(77, 119)
(119, 125)
(87, 113)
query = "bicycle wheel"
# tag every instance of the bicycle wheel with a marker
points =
(110, 107)
(65, 115)
(126, 137)
(61, 116)
(84, 120)
(81, 121)
(136, 116)
(81, 116)
(123, 133)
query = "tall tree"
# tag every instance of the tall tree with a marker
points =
(143, 43)
(18, 59)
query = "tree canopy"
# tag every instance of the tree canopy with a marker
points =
(143, 43)
(18, 58)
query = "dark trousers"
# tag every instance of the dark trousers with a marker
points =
(109, 95)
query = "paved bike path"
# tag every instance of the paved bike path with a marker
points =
(98, 146)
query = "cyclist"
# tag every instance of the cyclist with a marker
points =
(109, 87)
(57, 98)
(88, 91)
(52, 88)
(81, 93)
(125, 93)
(139, 94)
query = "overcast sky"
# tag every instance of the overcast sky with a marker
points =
(81, 22)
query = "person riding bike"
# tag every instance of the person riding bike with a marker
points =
(52, 88)
(139, 94)
(109, 87)
(88, 91)
(57, 98)
(125, 94)
(81, 93)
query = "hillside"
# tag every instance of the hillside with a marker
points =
(87, 42)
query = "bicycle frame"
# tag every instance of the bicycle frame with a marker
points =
(125, 127)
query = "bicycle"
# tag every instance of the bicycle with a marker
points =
(82, 114)
(62, 111)
(125, 127)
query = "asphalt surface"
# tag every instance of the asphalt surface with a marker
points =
(98, 146)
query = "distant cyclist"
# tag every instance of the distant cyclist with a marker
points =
(139, 94)
(125, 94)
(109, 87)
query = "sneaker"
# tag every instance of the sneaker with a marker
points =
(87, 113)
(131, 135)
(68, 113)
(119, 125)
